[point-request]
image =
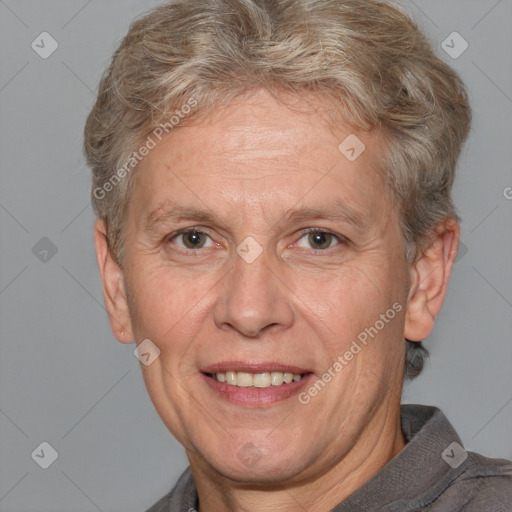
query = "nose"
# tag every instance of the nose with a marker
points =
(254, 298)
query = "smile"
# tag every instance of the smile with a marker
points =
(257, 380)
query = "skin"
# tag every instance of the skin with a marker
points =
(296, 303)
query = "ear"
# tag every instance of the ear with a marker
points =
(114, 291)
(430, 274)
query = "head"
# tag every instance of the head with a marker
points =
(247, 123)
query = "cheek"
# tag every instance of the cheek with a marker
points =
(164, 302)
(347, 306)
(355, 289)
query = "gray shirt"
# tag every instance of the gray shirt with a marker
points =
(432, 473)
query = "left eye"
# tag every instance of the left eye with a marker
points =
(318, 239)
(192, 239)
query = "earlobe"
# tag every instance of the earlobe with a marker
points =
(430, 275)
(114, 291)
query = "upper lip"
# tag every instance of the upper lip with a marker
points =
(253, 367)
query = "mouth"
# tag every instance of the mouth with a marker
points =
(256, 384)
(256, 380)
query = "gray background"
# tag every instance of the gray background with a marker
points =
(66, 381)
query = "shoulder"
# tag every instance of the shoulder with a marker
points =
(481, 484)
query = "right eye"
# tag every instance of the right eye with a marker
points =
(191, 239)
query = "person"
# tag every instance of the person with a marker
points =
(275, 231)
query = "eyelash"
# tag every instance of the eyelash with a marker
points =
(340, 239)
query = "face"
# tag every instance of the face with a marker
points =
(257, 252)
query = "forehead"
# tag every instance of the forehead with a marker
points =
(262, 154)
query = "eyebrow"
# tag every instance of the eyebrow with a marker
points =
(337, 211)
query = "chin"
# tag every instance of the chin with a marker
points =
(250, 465)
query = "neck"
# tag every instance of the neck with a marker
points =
(378, 444)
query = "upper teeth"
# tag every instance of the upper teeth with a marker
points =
(258, 380)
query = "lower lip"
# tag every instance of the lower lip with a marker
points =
(251, 396)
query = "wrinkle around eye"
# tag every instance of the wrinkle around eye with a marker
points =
(174, 242)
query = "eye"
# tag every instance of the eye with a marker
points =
(318, 239)
(191, 239)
